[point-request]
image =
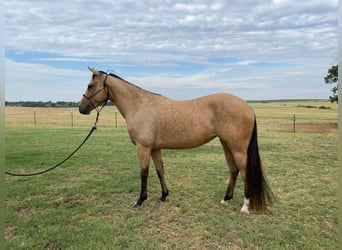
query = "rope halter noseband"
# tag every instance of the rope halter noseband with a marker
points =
(98, 110)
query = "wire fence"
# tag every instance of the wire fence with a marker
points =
(270, 117)
(61, 117)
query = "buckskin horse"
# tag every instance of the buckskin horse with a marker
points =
(155, 122)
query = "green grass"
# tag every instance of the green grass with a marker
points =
(86, 203)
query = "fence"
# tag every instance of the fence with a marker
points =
(271, 117)
(296, 116)
(63, 117)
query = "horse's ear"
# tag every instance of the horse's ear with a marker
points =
(94, 71)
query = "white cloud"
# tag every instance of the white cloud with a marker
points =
(150, 33)
(24, 81)
(106, 28)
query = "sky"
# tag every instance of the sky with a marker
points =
(258, 50)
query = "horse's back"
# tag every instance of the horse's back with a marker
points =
(225, 101)
(191, 123)
(223, 108)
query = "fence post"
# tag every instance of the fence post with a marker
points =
(116, 120)
(294, 121)
(72, 119)
(34, 118)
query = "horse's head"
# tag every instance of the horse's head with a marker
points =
(96, 93)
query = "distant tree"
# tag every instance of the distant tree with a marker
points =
(332, 78)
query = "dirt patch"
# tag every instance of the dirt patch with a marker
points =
(317, 127)
(10, 232)
(23, 211)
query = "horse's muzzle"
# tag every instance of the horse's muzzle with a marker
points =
(84, 109)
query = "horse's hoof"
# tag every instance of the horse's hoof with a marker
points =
(164, 195)
(244, 212)
(224, 202)
(137, 204)
(244, 209)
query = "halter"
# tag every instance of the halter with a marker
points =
(98, 110)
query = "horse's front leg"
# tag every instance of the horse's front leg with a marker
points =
(144, 155)
(158, 164)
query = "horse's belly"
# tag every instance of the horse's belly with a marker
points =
(183, 137)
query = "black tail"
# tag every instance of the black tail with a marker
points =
(258, 191)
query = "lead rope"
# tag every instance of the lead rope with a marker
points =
(58, 164)
(68, 157)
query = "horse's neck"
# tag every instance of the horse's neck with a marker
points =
(125, 96)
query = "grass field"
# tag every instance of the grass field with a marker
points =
(86, 203)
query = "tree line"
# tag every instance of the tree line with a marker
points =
(48, 104)
(41, 104)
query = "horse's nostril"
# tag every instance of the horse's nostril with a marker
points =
(84, 109)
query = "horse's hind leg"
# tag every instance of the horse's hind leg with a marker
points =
(233, 172)
(158, 164)
(240, 159)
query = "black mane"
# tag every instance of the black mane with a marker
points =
(113, 75)
(120, 78)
